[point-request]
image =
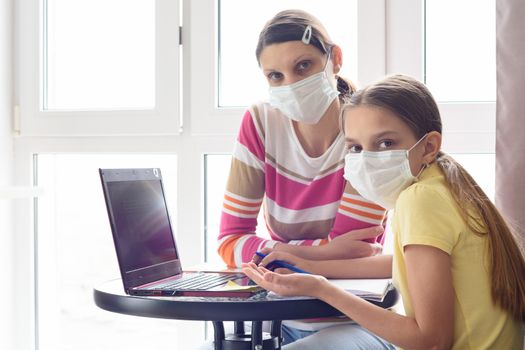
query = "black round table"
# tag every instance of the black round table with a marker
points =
(110, 296)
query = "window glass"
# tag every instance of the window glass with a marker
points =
(241, 21)
(75, 252)
(99, 54)
(460, 45)
(482, 167)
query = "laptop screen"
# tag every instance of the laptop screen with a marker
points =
(141, 223)
(141, 226)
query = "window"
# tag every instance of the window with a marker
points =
(76, 252)
(93, 63)
(460, 50)
(94, 68)
(455, 59)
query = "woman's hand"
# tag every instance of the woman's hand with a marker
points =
(351, 245)
(286, 285)
(272, 255)
(346, 246)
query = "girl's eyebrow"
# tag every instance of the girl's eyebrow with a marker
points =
(376, 136)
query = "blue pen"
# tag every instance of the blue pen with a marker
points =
(279, 263)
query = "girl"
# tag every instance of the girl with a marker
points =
(456, 263)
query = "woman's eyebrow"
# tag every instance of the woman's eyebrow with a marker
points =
(302, 57)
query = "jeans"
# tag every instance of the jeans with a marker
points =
(343, 337)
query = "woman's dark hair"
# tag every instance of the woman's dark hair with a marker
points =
(290, 25)
(411, 101)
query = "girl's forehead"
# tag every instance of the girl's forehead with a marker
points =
(368, 114)
(366, 119)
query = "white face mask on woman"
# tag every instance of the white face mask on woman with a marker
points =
(380, 176)
(306, 100)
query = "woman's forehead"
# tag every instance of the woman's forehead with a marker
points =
(290, 51)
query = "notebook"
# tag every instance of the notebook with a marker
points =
(146, 250)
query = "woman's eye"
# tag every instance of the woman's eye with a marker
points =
(274, 76)
(303, 66)
(354, 148)
(386, 144)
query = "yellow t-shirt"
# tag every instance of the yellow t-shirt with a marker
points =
(427, 214)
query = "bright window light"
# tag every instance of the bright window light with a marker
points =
(99, 55)
(460, 43)
(75, 253)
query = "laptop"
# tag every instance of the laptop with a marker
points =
(145, 245)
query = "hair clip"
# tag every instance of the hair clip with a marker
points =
(307, 35)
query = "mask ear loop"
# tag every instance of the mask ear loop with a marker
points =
(424, 165)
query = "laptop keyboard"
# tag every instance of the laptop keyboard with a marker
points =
(199, 281)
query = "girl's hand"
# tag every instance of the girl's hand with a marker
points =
(286, 285)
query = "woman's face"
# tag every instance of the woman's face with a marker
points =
(375, 129)
(288, 62)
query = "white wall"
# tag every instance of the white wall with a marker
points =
(6, 173)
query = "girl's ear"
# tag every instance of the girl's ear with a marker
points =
(432, 146)
(337, 58)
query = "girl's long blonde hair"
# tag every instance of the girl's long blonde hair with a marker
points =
(411, 101)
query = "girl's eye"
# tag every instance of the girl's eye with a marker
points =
(274, 76)
(354, 148)
(385, 144)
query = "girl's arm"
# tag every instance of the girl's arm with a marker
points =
(429, 287)
(379, 266)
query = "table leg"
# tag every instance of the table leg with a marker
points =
(257, 341)
(238, 327)
(276, 331)
(218, 330)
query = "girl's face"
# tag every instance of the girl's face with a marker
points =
(288, 62)
(375, 129)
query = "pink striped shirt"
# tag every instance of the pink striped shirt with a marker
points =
(305, 200)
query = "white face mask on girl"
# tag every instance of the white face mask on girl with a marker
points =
(306, 100)
(380, 176)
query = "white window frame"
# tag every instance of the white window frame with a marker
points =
(468, 127)
(34, 121)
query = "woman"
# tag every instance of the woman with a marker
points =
(289, 155)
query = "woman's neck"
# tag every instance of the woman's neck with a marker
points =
(317, 138)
